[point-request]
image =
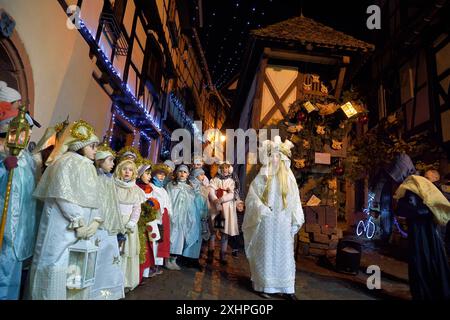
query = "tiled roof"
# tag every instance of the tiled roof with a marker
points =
(307, 31)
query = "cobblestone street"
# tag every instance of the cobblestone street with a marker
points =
(217, 282)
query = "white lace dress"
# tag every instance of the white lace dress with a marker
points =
(269, 236)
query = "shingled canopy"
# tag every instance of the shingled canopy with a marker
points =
(307, 31)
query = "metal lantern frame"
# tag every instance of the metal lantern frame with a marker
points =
(18, 132)
(17, 140)
(83, 254)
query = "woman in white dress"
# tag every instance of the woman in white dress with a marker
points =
(130, 199)
(273, 216)
(69, 189)
(109, 282)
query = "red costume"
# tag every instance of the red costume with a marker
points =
(149, 258)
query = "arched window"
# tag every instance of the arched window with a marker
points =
(15, 68)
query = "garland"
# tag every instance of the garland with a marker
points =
(319, 124)
(380, 145)
(77, 130)
(149, 212)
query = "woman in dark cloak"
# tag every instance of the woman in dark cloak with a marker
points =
(428, 268)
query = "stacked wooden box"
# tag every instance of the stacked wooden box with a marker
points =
(319, 235)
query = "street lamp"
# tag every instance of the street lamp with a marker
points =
(17, 140)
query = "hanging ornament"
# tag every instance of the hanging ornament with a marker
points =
(295, 129)
(339, 171)
(336, 145)
(306, 144)
(392, 118)
(326, 109)
(364, 119)
(307, 87)
(332, 184)
(320, 130)
(301, 117)
(299, 163)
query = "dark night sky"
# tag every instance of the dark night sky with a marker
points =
(226, 25)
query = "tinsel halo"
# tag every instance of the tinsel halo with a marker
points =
(81, 130)
(161, 167)
(132, 150)
(104, 147)
(144, 162)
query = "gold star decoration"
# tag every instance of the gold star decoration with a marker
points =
(295, 129)
(116, 260)
(299, 163)
(337, 145)
(320, 130)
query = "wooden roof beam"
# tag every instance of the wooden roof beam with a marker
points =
(293, 56)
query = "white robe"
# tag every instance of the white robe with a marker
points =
(162, 196)
(228, 206)
(130, 198)
(68, 187)
(51, 256)
(109, 282)
(130, 259)
(269, 236)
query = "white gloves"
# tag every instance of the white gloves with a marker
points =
(92, 228)
(87, 231)
(131, 226)
(82, 232)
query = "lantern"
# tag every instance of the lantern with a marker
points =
(18, 132)
(349, 109)
(82, 262)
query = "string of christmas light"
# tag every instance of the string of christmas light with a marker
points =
(111, 130)
(107, 63)
(119, 112)
(188, 120)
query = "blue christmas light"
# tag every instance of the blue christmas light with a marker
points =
(118, 111)
(87, 34)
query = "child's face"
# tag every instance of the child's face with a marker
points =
(127, 173)
(146, 177)
(108, 164)
(226, 170)
(201, 177)
(240, 207)
(90, 151)
(182, 175)
(160, 176)
(198, 165)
